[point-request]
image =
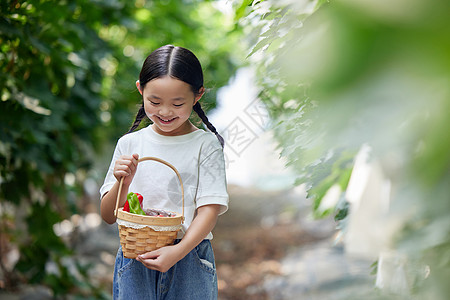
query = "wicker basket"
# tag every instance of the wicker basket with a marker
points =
(138, 235)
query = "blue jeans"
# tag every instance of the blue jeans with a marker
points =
(194, 277)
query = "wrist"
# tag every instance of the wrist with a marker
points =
(183, 248)
(125, 184)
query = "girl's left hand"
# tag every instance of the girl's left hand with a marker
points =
(166, 257)
(161, 259)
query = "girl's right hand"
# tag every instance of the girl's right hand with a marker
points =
(126, 166)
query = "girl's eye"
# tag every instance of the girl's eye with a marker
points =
(154, 103)
(178, 105)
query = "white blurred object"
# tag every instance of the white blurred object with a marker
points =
(391, 274)
(370, 228)
(251, 155)
(368, 192)
(331, 198)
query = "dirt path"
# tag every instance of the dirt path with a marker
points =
(253, 237)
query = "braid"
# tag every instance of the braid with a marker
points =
(140, 115)
(198, 109)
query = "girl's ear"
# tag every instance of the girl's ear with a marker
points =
(201, 91)
(138, 85)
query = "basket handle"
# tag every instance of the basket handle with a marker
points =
(158, 160)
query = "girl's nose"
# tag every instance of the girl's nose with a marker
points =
(164, 111)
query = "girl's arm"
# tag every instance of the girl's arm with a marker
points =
(164, 258)
(125, 166)
(108, 203)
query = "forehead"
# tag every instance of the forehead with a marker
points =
(167, 86)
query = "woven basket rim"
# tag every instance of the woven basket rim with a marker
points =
(150, 220)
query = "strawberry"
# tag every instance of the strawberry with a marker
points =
(126, 207)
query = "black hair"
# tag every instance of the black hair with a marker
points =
(179, 63)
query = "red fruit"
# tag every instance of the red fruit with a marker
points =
(140, 198)
(126, 207)
(160, 216)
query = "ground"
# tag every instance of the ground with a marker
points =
(252, 238)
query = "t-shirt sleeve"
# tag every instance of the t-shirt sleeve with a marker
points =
(212, 181)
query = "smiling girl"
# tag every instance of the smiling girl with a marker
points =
(171, 85)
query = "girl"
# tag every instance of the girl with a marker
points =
(171, 84)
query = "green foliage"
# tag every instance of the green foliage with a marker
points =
(292, 103)
(336, 170)
(339, 74)
(241, 10)
(50, 83)
(43, 242)
(374, 267)
(67, 84)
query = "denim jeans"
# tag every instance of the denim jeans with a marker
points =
(192, 278)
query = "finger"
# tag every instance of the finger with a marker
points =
(134, 161)
(126, 157)
(121, 174)
(149, 255)
(123, 169)
(126, 163)
(130, 161)
(134, 164)
(151, 262)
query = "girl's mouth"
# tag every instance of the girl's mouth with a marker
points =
(166, 121)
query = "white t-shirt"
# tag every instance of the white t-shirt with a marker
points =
(198, 157)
